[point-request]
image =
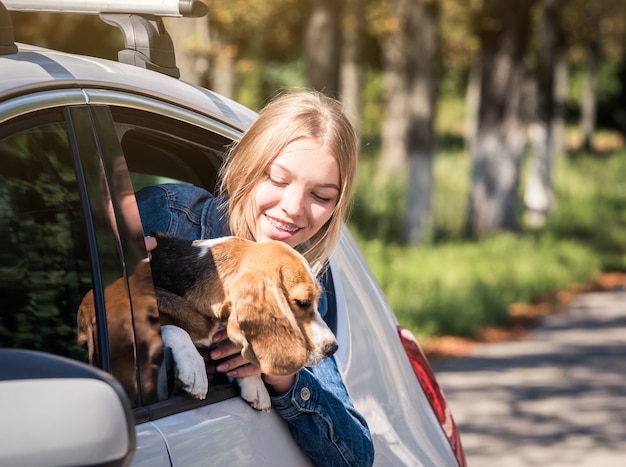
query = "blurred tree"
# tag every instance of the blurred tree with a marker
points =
(504, 32)
(191, 43)
(588, 102)
(595, 33)
(472, 102)
(81, 34)
(538, 196)
(323, 46)
(350, 73)
(561, 87)
(472, 88)
(408, 31)
(389, 21)
(422, 79)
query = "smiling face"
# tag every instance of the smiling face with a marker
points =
(296, 195)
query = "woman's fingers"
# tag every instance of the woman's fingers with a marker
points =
(224, 350)
(237, 365)
(151, 243)
(220, 335)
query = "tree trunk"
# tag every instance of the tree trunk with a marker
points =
(223, 73)
(472, 102)
(589, 97)
(500, 137)
(191, 43)
(560, 106)
(423, 34)
(394, 156)
(350, 79)
(539, 197)
(323, 47)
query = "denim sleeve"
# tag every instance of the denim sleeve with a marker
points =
(153, 208)
(323, 420)
(183, 211)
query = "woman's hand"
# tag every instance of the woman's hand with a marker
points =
(239, 367)
(151, 244)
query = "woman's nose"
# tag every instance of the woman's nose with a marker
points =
(292, 201)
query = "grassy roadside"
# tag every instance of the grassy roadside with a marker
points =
(458, 287)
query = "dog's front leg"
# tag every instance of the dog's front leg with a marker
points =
(254, 392)
(190, 364)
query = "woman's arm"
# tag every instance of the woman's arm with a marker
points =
(323, 420)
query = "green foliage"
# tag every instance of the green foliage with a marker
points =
(285, 75)
(457, 287)
(608, 86)
(590, 192)
(378, 205)
(372, 101)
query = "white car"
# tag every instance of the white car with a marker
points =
(78, 135)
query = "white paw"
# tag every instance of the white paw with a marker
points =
(254, 392)
(189, 362)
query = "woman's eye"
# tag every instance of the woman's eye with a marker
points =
(275, 181)
(322, 199)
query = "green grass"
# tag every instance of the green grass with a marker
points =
(455, 286)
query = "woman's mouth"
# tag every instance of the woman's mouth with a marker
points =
(281, 225)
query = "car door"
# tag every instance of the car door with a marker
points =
(60, 239)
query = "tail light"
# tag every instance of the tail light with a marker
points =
(433, 393)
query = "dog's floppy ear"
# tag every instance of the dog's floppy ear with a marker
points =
(259, 323)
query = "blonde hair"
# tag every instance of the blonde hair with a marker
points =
(289, 117)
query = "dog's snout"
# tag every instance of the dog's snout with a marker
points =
(330, 349)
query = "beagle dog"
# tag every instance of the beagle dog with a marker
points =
(135, 336)
(264, 292)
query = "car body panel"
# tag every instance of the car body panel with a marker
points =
(151, 448)
(37, 68)
(398, 413)
(43, 99)
(229, 433)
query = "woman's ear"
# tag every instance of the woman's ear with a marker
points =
(260, 322)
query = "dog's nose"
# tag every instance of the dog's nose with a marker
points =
(330, 349)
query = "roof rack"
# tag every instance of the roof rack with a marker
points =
(146, 41)
(187, 8)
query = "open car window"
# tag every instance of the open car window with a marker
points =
(160, 149)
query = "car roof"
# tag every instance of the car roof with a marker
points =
(148, 68)
(33, 69)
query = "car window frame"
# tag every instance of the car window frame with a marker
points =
(21, 114)
(178, 124)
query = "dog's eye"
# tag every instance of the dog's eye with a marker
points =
(303, 304)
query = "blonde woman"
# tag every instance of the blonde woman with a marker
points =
(289, 179)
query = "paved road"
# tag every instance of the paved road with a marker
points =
(557, 398)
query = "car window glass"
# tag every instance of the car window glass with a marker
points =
(161, 150)
(44, 262)
(133, 293)
(127, 343)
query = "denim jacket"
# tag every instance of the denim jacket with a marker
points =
(318, 409)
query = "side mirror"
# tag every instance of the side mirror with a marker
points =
(58, 411)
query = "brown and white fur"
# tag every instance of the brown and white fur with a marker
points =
(264, 292)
